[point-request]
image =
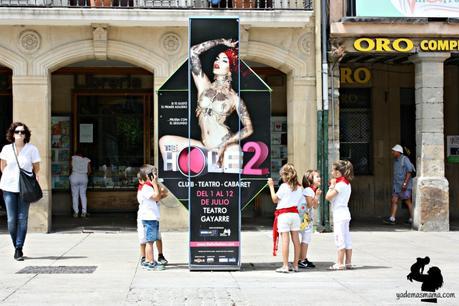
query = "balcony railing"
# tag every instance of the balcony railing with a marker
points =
(165, 4)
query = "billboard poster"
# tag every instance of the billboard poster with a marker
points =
(407, 8)
(214, 139)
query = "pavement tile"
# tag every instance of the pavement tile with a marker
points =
(382, 260)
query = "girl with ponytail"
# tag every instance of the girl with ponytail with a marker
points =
(338, 194)
(311, 196)
(286, 218)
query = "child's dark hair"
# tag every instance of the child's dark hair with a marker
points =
(288, 171)
(345, 168)
(308, 178)
(146, 171)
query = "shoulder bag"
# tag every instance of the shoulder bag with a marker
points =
(29, 189)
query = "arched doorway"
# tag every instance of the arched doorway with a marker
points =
(260, 210)
(104, 109)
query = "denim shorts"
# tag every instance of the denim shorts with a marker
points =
(151, 228)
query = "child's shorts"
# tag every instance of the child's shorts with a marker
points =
(306, 236)
(288, 222)
(141, 232)
(342, 235)
(151, 228)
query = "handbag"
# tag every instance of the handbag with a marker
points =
(29, 189)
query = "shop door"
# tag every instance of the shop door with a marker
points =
(114, 131)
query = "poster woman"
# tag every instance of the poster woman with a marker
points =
(216, 102)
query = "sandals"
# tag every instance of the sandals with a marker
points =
(336, 267)
(349, 267)
(282, 270)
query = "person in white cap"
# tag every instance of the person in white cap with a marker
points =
(402, 184)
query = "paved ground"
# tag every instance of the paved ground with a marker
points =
(383, 260)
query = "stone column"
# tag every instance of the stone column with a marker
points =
(31, 105)
(302, 122)
(431, 199)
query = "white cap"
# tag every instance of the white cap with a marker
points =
(398, 148)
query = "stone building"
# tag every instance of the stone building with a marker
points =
(67, 65)
(395, 78)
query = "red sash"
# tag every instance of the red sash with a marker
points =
(278, 212)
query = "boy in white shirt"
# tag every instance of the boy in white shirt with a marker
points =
(148, 196)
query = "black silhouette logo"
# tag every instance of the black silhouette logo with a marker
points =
(431, 281)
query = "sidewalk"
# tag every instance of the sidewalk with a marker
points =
(383, 260)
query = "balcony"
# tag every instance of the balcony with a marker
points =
(154, 13)
(164, 4)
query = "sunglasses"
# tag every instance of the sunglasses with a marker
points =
(19, 132)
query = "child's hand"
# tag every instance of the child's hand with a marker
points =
(332, 182)
(318, 192)
(270, 182)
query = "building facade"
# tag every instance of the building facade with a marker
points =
(394, 80)
(84, 74)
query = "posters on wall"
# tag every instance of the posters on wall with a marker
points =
(214, 139)
(60, 151)
(452, 149)
(407, 8)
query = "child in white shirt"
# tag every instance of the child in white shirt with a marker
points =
(287, 220)
(148, 196)
(311, 193)
(338, 194)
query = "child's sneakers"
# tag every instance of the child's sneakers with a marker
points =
(152, 266)
(162, 260)
(306, 264)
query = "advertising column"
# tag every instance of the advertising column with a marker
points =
(215, 141)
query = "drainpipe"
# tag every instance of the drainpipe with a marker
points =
(323, 118)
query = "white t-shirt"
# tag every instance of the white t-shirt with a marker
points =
(10, 176)
(340, 202)
(80, 164)
(308, 192)
(288, 198)
(148, 208)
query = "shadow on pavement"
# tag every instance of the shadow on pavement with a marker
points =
(321, 266)
(54, 257)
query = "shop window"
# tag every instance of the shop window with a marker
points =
(355, 128)
(112, 130)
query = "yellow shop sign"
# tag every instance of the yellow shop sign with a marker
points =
(361, 75)
(405, 45)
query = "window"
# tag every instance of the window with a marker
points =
(112, 130)
(355, 128)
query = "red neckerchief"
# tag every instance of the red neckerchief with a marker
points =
(342, 179)
(278, 212)
(148, 183)
(314, 188)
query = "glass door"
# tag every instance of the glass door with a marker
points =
(113, 130)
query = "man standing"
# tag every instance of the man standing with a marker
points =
(402, 184)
